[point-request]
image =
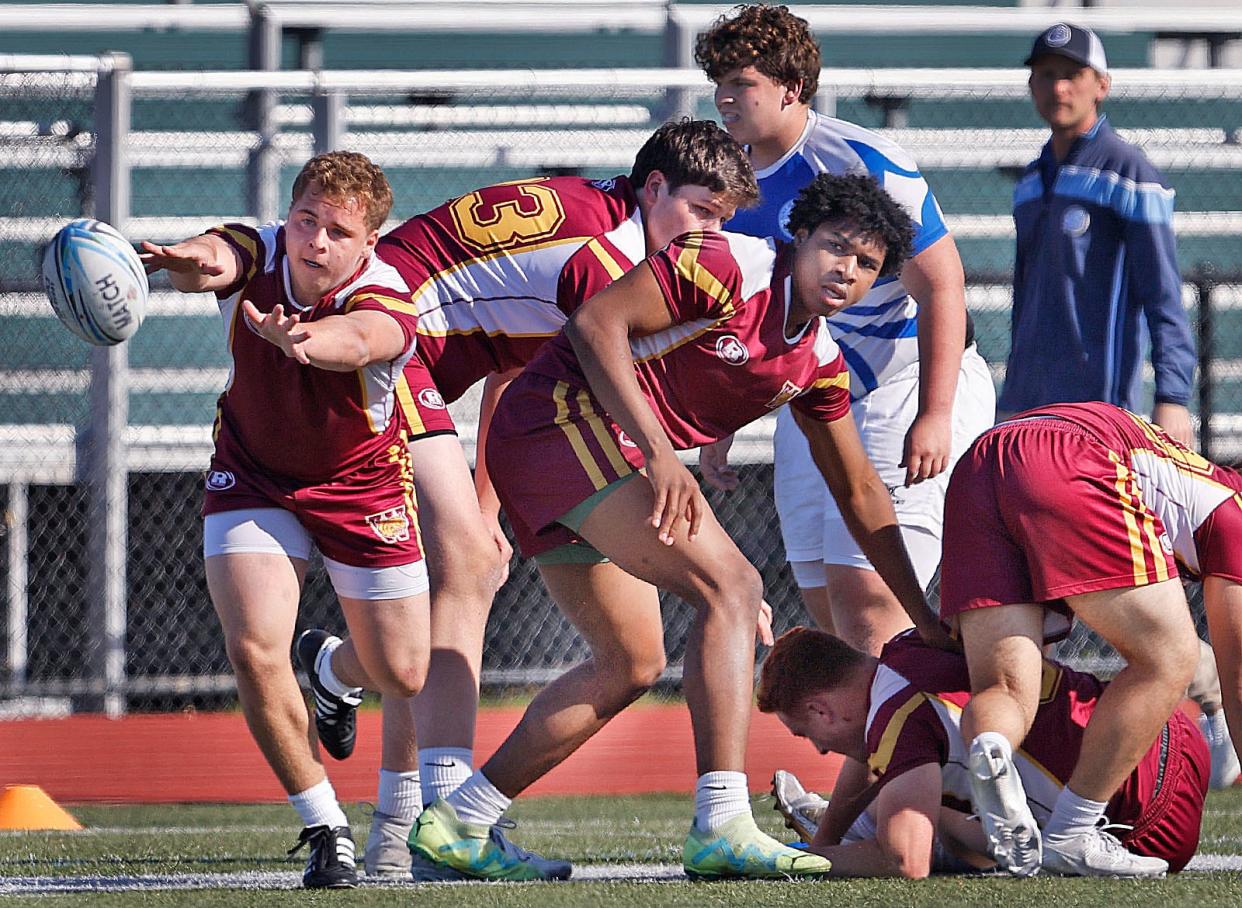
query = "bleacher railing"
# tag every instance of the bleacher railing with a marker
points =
(102, 555)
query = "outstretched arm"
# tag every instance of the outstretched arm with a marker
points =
(867, 507)
(200, 264)
(338, 343)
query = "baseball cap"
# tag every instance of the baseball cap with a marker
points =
(1074, 42)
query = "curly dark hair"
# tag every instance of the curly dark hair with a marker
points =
(858, 198)
(770, 38)
(698, 153)
(804, 662)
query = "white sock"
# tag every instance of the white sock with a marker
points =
(327, 677)
(400, 794)
(317, 806)
(1073, 815)
(477, 800)
(443, 769)
(993, 740)
(719, 797)
(1214, 728)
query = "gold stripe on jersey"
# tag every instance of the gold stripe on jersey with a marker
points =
(1153, 540)
(576, 441)
(692, 331)
(606, 442)
(246, 242)
(1181, 457)
(1138, 560)
(883, 755)
(406, 399)
(1049, 682)
(840, 380)
(388, 302)
(605, 258)
(689, 268)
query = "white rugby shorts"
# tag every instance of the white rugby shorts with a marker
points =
(275, 531)
(812, 527)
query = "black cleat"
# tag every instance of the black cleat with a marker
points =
(335, 718)
(331, 862)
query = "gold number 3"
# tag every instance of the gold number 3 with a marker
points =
(493, 225)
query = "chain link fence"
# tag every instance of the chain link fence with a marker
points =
(199, 148)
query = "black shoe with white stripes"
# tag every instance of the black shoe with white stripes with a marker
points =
(331, 863)
(335, 719)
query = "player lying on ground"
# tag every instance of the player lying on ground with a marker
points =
(898, 715)
(310, 450)
(1085, 510)
(711, 333)
(495, 274)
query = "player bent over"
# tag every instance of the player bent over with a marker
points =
(899, 714)
(310, 449)
(706, 336)
(1084, 510)
(495, 274)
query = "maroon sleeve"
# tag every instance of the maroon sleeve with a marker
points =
(698, 276)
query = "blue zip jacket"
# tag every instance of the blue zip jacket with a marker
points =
(1095, 275)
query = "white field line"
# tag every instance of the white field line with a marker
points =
(291, 879)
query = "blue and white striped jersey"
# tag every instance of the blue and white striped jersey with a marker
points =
(877, 335)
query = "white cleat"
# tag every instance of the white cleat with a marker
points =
(1098, 853)
(1225, 765)
(387, 855)
(1000, 802)
(803, 810)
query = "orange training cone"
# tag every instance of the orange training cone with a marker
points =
(29, 807)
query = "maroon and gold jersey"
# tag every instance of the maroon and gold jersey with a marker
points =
(1196, 505)
(917, 696)
(488, 272)
(726, 360)
(296, 422)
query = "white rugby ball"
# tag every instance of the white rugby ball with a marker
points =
(95, 282)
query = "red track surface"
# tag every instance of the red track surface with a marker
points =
(210, 757)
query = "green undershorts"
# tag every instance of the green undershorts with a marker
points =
(581, 552)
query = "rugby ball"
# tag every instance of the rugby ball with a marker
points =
(95, 282)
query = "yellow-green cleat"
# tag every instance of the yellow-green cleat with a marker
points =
(477, 851)
(739, 850)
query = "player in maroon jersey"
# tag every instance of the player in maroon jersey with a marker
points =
(898, 717)
(310, 449)
(711, 333)
(493, 275)
(1085, 510)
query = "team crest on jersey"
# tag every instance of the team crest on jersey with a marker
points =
(1166, 543)
(1076, 220)
(782, 220)
(392, 525)
(607, 185)
(732, 350)
(431, 399)
(219, 480)
(625, 441)
(787, 393)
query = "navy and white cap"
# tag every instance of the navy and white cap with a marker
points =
(1074, 42)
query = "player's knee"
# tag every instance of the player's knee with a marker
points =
(401, 678)
(253, 659)
(737, 591)
(472, 566)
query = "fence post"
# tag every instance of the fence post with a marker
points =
(328, 116)
(678, 54)
(1204, 285)
(107, 470)
(263, 169)
(17, 540)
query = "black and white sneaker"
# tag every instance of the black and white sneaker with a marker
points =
(331, 862)
(335, 718)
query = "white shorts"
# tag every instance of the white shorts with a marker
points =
(275, 531)
(812, 527)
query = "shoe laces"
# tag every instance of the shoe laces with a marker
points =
(504, 843)
(309, 834)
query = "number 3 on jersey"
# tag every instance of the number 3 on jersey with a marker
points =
(508, 216)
